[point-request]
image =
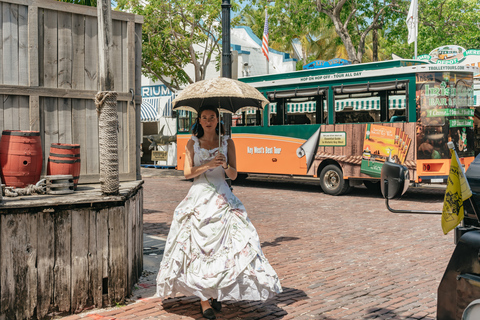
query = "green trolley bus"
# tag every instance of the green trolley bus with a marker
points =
(341, 124)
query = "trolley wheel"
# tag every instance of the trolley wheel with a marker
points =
(332, 182)
(373, 186)
(241, 178)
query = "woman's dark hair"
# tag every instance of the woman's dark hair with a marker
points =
(197, 129)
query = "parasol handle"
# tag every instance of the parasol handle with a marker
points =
(220, 134)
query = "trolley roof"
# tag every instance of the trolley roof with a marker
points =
(355, 71)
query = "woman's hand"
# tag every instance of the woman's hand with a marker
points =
(220, 160)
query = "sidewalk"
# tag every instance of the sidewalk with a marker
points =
(337, 257)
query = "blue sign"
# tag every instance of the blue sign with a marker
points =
(156, 91)
(317, 64)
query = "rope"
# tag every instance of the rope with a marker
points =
(106, 103)
(28, 190)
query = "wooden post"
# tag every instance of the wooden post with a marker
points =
(106, 101)
(104, 43)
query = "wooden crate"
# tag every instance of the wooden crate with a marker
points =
(66, 254)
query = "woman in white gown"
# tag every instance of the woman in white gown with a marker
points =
(213, 250)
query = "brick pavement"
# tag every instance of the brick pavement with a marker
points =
(337, 257)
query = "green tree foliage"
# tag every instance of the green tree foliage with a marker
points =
(176, 33)
(354, 20)
(91, 3)
(441, 22)
(326, 29)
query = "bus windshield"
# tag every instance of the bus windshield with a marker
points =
(445, 113)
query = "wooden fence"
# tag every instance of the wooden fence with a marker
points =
(49, 77)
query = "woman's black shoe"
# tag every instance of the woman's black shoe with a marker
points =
(216, 305)
(209, 314)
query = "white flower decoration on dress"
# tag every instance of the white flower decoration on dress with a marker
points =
(203, 154)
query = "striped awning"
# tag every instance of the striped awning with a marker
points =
(395, 102)
(154, 108)
(167, 110)
(149, 110)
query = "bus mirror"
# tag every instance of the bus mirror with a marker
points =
(394, 180)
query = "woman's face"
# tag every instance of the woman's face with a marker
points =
(208, 120)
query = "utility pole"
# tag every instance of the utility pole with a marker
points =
(226, 55)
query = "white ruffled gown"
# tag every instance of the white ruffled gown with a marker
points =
(212, 249)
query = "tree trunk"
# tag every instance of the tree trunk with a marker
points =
(346, 39)
(375, 44)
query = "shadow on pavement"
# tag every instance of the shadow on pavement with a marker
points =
(245, 310)
(383, 314)
(277, 241)
(157, 228)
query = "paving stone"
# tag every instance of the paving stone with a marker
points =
(338, 258)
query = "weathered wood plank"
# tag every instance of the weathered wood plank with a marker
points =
(31, 251)
(41, 47)
(9, 230)
(45, 263)
(19, 283)
(105, 64)
(117, 257)
(135, 231)
(91, 132)
(63, 261)
(65, 121)
(140, 231)
(74, 8)
(80, 263)
(129, 216)
(33, 49)
(130, 56)
(65, 50)
(102, 253)
(116, 55)
(79, 132)
(10, 43)
(23, 75)
(50, 48)
(91, 51)
(2, 8)
(125, 64)
(58, 92)
(78, 60)
(134, 144)
(10, 113)
(24, 113)
(34, 115)
(50, 123)
(2, 125)
(20, 267)
(94, 269)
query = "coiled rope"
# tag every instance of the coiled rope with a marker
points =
(106, 102)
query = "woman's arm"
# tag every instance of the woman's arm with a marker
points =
(231, 167)
(189, 171)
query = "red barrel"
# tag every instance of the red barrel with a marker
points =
(20, 158)
(64, 159)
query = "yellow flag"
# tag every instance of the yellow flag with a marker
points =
(452, 213)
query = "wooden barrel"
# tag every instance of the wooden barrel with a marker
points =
(20, 158)
(64, 159)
